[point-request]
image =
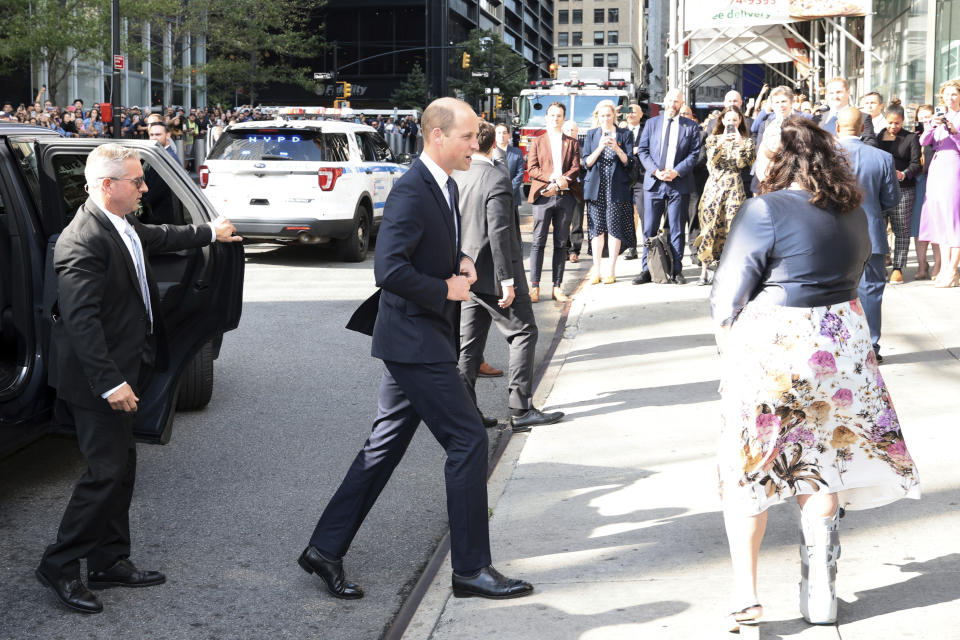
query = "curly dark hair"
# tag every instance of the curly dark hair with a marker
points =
(810, 157)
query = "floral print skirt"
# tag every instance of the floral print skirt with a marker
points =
(805, 410)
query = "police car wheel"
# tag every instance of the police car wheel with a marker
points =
(354, 247)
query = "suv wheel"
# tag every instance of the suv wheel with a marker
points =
(354, 248)
(196, 382)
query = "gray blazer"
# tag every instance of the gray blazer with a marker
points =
(878, 181)
(490, 229)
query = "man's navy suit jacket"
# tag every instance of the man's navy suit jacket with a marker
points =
(685, 159)
(417, 250)
(515, 169)
(878, 182)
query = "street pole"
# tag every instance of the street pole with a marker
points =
(492, 103)
(115, 80)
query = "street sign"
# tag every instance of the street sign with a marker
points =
(119, 63)
(479, 74)
(321, 75)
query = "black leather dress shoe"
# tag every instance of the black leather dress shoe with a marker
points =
(679, 279)
(643, 278)
(123, 573)
(534, 418)
(489, 583)
(72, 593)
(331, 572)
(630, 254)
(489, 423)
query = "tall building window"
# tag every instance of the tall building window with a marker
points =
(613, 15)
(578, 16)
(613, 37)
(598, 37)
(563, 39)
(577, 39)
(577, 60)
(598, 15)
(563, 17)
(613, 60)
(598, 59)
(563, 60)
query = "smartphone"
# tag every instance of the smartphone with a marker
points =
(939, 111)
(730, 129)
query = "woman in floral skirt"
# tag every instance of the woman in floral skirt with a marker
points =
(805, 411)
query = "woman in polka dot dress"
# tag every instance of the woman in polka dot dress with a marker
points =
(606, 190)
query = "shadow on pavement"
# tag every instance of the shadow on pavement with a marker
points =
(634, 348)
(662, 396)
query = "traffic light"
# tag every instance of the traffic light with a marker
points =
(465, 63)
(347, 90)
(553, 69)
(499, 101)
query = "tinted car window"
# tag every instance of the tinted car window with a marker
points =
(374, 147)
(69, 168)
(306, 145)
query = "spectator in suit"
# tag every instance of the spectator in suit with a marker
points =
(512, 158)
(576, 219)
(491, 238)
(877, 177)
(669, 148)
(904, 146)
(838, 97)
(635, 125)
(873, 106)
(553, 164)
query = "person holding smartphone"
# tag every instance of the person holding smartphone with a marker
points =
(940, 218)
(729, 149)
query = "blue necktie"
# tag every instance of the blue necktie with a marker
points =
(665, 144)
(141, 270)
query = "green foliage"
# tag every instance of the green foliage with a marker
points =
(509, 68)
(412, 92)
(59, 32)
(251, 43)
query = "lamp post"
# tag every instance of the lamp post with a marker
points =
(488, 43)
(115, 79)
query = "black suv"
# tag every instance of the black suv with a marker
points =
(41, 188)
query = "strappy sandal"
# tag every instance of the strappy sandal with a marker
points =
(748, 617)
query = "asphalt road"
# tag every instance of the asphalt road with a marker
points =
(225, 508)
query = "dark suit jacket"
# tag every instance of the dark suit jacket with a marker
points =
(512, 160)
(621, 173)
(417, 250)
(491, 229)
(878, 182)
(685, 159)
(101, 325)
(540, 165)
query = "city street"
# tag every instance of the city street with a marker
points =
(225, 509)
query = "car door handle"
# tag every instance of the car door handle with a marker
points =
(368, 171)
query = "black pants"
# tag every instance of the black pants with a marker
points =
(518, 325)
(96, 522)
(576, 227)
(555, 210)
(436, 394)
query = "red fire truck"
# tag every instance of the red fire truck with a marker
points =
(579, 90)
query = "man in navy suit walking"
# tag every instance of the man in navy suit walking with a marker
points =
(668, 149)
(881, 191)
(423, 276)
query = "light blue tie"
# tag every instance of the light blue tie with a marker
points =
(141, 270)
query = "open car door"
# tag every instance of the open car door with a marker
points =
(200, 289)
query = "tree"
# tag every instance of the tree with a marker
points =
(251, 43)
(509, 68)
(412, 92)
(61, 32)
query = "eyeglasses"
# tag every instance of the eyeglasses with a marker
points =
(137, 182)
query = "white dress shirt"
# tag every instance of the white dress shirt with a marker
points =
(555, 138)
(441, 177)
(879, 123)
(672, 143)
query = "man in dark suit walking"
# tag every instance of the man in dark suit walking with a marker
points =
(491, 238)
(877, 176)
(669, 148)
(423, 276)
(106, 332)
(838, 98)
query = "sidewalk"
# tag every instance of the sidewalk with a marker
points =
(613, 514)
